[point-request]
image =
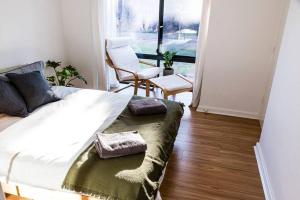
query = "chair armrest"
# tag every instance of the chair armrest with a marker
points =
(120, 69)
(124, 70)
(146, 63)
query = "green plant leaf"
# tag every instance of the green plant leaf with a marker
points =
(65, 75)
(51, 80)
(81, 78)
(168, 59)
(52, 64)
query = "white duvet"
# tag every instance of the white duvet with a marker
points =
(40, 149)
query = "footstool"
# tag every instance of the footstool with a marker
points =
(170, 85)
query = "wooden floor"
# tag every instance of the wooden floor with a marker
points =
(213, 158)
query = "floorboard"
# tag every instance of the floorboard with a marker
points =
(213, 157)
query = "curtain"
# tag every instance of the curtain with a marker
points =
(201, 50)
(103, 26)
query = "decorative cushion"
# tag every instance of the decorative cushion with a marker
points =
(34, 89)
(36, 66)
(11, 102)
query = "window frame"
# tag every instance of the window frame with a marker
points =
(158, 56)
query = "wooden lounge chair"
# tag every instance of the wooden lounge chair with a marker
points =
(122, 58)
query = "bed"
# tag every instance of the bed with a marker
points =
(52, 148)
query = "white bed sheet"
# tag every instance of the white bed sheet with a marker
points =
(6, 121)
(39, 150)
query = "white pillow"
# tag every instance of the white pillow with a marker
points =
(118, 42)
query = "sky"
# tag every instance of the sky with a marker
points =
(185, 11)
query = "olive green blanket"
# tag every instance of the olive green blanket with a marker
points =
(134, 177)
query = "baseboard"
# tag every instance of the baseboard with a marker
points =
(228, 112)
(265, 178)
(261, 122)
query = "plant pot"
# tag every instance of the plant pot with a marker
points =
(168, 71)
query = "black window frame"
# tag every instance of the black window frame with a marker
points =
(158, 56)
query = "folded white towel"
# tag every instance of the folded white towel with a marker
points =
(119, 144)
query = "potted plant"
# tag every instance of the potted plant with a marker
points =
(168, 57)
(63, 76)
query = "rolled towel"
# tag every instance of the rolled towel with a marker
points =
(119, 144)
(147, 107)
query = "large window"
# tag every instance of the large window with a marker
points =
(162, 25)
(139, 20)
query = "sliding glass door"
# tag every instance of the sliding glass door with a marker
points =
(161, 25)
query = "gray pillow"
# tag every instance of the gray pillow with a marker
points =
(11, 102)
(34, 89)
(36, 66)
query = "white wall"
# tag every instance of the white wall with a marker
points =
(30, 30)
(280, 141)
(239, 55)
(78, 35)
(59, 30)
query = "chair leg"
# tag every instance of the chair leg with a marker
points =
(165, 95)
(147, 88)
(136, 86)
(84, 197)
(18, 191)
(2, 195)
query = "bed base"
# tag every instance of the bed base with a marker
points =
(82, 197)
(17, 191)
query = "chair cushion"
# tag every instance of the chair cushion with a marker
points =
(125, 58)
(34, 89)
(172, 83)
(118, 42)
(148, 73)
(144, 74)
